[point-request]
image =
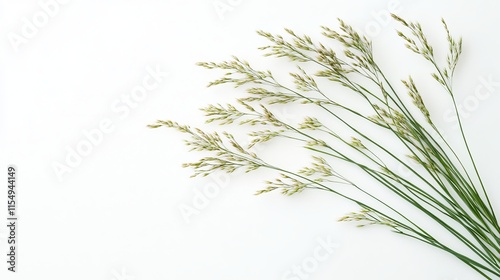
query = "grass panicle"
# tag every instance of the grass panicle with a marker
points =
(440, 188)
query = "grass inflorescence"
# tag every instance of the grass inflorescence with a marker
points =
(441, 188)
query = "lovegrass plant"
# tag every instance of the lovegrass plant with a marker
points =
(439, 200)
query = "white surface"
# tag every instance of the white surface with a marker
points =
(116, 215)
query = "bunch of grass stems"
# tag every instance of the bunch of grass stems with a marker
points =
(441, 187)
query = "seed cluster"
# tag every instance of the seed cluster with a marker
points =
(441, 188)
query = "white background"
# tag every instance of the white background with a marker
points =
(116, 214)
